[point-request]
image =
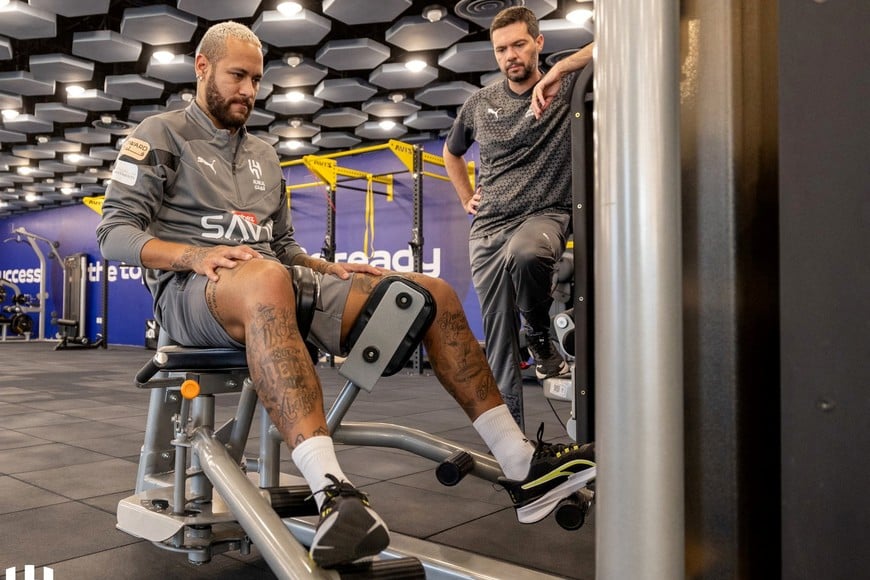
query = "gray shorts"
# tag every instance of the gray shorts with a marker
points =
(183, 313)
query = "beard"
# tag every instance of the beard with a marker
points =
(519, 76)
(220, 108)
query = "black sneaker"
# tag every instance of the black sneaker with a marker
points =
(556, 472)
(349, 530)
(548, 361)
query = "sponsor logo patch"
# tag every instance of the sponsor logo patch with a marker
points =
(125, 172)
(135, 148)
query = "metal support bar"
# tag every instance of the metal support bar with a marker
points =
(285, 556)
(414, 441)
(416, 242)
(638, 324)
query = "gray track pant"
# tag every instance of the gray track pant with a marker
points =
(512, 273)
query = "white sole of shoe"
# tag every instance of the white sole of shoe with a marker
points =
(565, 371)
(541, 507)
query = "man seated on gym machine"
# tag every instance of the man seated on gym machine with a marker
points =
(202, 204)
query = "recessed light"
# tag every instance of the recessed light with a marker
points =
(163, 56)
(386, 124)
(289, 8)
(415, 65)
(434, 13)
(579, 16)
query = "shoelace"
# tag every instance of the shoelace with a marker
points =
(542, 346)
(339, 489)
(543, 449)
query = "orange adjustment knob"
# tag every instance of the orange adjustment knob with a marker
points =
(190, 389)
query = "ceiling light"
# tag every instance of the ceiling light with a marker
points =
(186, 95)
(74, 90)
(107, 118)
(295, 96)
(25, 170)
(31, 197)
(295, 123)
(293, 59)
(386, 124)
(579, 16)
(73, 158)
(415, 65)
(42, 139)
(289, 8)
(163, 56)
(294, 144)
(92, 169)
(9, 114)
(67, 190)
(434, 13)
(397, 97)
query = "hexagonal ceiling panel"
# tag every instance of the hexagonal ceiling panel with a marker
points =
(356, 12)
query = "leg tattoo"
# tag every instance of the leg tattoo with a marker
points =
(281, 368)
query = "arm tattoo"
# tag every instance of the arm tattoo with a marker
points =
(186, 260)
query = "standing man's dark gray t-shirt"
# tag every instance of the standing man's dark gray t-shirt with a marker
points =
(525, 163)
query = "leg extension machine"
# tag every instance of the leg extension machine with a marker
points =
(193, 494)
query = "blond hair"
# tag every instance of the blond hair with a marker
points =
(213, 45)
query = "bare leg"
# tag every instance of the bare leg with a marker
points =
(255, 303)
(456, 357)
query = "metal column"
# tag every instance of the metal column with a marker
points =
(638, 337)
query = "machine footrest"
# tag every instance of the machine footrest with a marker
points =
(396, 569)
(451, 471)
(292, 501)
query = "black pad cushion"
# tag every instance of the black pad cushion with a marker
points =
(414, 334)
(307, 289)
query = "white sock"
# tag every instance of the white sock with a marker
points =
(315, 457)
(508, 444)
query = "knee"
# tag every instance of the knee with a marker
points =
(265, 282)
(528, 259)
(441, 291)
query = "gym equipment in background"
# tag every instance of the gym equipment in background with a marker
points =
(72, 326)
(36, 304)
(12, 316)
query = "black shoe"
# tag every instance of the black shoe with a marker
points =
(349, 530)
(556, 471)
(548, 361)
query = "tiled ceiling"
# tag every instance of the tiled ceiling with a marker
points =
(332, 73)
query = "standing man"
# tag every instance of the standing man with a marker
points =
(522, 207)
(201, 204)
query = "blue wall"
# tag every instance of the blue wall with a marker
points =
(445, 250)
